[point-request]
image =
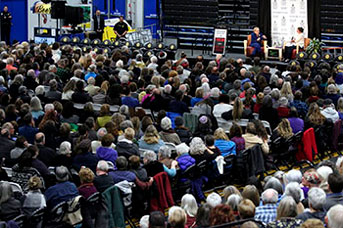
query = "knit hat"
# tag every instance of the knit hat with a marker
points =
(178, 121)
(332, 89)
(215, 92)
(166, 123)
(312, 177)
(267, 90)
(203, 119)
(182, 148)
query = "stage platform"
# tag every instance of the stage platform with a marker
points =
(192, 55)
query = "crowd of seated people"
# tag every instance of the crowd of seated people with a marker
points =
(153, 134)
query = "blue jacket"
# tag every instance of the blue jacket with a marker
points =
(28, 132)
(107, 154)
(60, 192)
(90, 74)
(130, 101)
(226, 147)
(185, 160)
(154, 147)
(119, 176)
(85, 159)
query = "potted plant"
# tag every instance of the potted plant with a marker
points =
(315, 46)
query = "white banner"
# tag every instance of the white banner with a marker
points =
(287, 16)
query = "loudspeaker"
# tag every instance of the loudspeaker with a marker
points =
(58, 9)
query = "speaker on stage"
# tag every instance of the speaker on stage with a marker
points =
(58, 9)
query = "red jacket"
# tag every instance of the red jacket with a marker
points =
(308, 148)
(164, 197)
(283, 112)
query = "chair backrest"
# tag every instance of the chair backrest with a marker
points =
(20, 219)
(229, 160)
(249, 39)
(21, 176)
(8, 171)
(37, 216)
(189, 172)
(57, 214)
(94, 199)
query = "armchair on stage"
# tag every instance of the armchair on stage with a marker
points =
(249, 50)
(298, 49)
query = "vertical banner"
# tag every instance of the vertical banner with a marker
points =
(287, 16)
(219, 41)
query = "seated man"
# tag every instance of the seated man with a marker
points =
(256, 41)
(102, 181)
(63, 191)
(316, 201)
(335, 181)
(267, 212)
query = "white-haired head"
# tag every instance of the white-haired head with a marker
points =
(335, 218)
(324, 172)
(213, 199)
(189, 204)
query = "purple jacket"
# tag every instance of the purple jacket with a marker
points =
(107, 154)
(185, 160)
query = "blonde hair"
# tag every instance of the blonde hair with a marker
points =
(35, 183)
(286, 89)
(220, 134)
(314, 115)
(129, 133)
(177, 217)
(237, 110)
(312, 223)
(151, 135)
(286, 208)
(104, 86)
(284, 129)
(86, 175)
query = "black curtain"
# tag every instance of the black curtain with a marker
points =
(264, 18)
(313, 7)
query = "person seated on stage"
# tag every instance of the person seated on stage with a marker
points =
(121, 28)
(256, 41)
(99, 25)
(299, 39)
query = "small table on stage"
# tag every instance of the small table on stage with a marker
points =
(274, 53)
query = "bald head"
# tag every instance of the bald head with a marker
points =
(40, 138)
(269, 196)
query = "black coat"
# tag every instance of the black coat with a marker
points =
(6, 145)
(127, 149)
(184, 134)
(102, 23)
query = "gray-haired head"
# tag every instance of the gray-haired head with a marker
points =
(287, 208)
(269, 196)
(62, 174)
(102, 166)
(275, 184)
(2, 80)
(316, 198)
(126, 124)
(335, 218)
(49, 107)
(292, 176)
(101, 132)
(6, 192)
(293, 190)
(149, 156)
(164, 152)
(233, 201)
(39, 90)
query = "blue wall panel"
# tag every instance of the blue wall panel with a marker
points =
(151, 17)
(18, 8)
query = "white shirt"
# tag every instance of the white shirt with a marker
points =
(300, 39)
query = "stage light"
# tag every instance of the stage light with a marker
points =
(172, 47)
(117, 43)
(312, 64)
(162, 55)
(86, 41)
(96, 50)
(328, 56)
(84, 49)
(148, 53)
(160, 46)
(138, 44)
(302, 55)
(148, 45)
(96, 42)
(107, 42)
(107, 50)
(127, 44)
(339, 57)
(294, 63)
(65, 39)
(76, 40)
(76, 48)
(315, 56)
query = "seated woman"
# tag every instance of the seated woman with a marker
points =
(150, 140)
(297, 124)
(236, 137)
(199, 94)
(9, 206)
(168, 134)
(283, 130)
(251, 139)
(199, 151)
(256, 41)
(184, 159)
(225, 146)
(34, 199)
(283, 110)
(204, 127)
(169, 164)
(137, 168)
(87, 188)
(238, 112)
(314, 117)
(189, 204)
(106, 152)
(104, 116)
